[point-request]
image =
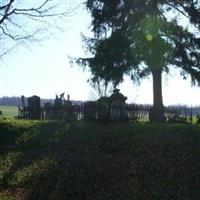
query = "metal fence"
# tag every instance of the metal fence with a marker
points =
(93, 111)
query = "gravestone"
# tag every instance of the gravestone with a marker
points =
(89, 110)
(58, 107)
(34, 108)
(48, 111)
(103, 108)
(117, 106)
(69, 110)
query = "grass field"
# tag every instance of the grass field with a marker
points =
(9, 111)
(93, 161)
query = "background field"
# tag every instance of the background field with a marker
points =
(9, 111)
(93, 161)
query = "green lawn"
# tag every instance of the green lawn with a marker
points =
(9, 111)
(93, 161)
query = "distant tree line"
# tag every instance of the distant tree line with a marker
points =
(10, 101)
(16, 101)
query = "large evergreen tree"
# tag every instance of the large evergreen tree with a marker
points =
(139, 38)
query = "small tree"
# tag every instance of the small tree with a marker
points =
(137, 38)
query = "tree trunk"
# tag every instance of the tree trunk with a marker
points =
(157, 111)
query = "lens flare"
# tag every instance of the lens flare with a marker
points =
(149, 37)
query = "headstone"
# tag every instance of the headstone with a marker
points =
(58, 107)
(117, 106)
(47, 111)
(23, 101)
(69, 110)
(90, 110)
(103, 108)
(34, 107)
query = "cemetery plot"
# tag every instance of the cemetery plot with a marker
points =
(113, 108)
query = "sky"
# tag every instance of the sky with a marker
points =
(43, 69)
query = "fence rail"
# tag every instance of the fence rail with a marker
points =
(92, 111)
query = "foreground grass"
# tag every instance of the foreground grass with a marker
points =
(52, 160)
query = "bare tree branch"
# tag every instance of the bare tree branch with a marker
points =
(6, 12)
(2, 54)
(24, 22)
(178, 9)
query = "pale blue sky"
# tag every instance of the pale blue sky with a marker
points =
(44, 70)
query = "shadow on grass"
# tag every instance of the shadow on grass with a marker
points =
(61, 161)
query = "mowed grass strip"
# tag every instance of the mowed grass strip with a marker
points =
(56, 160)
(9, 111)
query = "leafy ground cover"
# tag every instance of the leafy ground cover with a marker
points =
(93, 161)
